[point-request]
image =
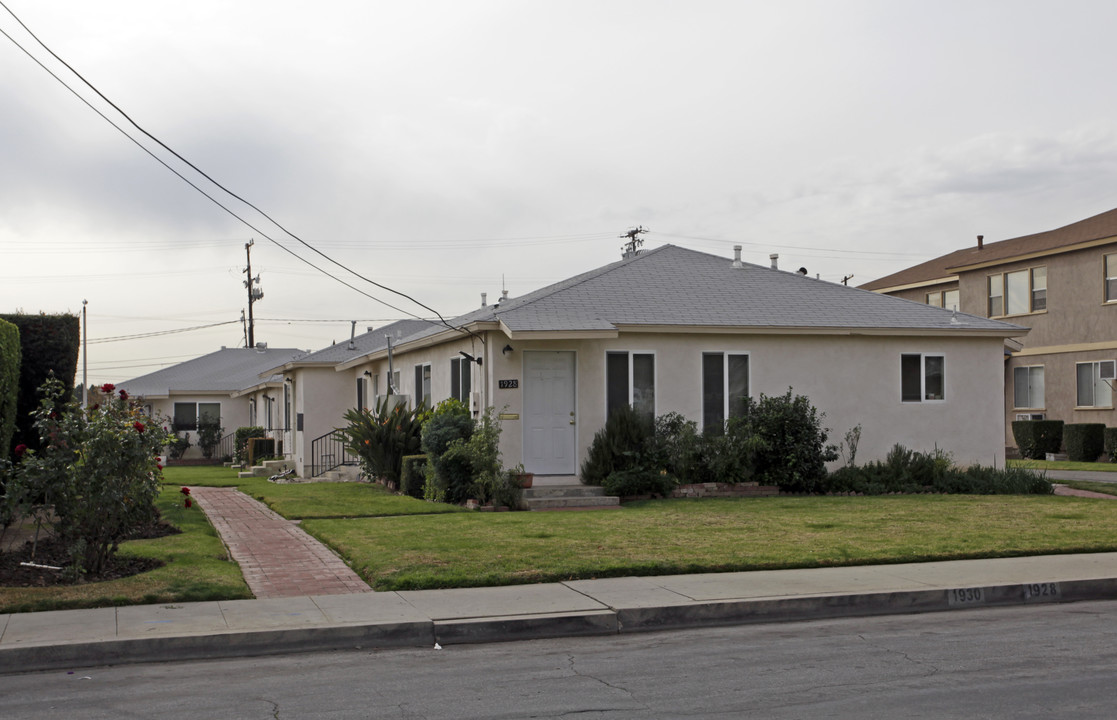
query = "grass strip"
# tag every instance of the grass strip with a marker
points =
(711, 535)
(1063, 465)
(196, 569)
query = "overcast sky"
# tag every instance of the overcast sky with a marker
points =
(446, 149)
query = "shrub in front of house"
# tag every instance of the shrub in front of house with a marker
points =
(240, 441)
(381, 438)
(1110, 438)
(1036, 438)
(449, 475)
(618, 446)
(1084, 441)
(413, 475)
(794, 451)
(911, 471)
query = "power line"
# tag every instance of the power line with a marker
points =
(212, 180)
(157, 333)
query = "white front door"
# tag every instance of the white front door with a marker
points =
(549, 437)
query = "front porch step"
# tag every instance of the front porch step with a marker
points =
(568, 497)
(267, 469)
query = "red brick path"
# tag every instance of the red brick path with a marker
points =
(277, 558)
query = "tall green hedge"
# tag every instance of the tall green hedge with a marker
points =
(1036, 438)
(1110, 436)
(49, 346)
(1084, 441)
(9, 383)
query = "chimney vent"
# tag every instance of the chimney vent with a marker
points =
(503, 295)
(484, 299)
(775, 258)
(737, 257)
(980, 241)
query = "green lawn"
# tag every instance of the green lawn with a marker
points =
(712, 535)
(297, 501)
(1064, 465)
(195, 569)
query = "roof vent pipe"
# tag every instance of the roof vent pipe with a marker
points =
(503, 295)
(484, 299)
(737, 257)
(775, 258)
(352, 334)
(980, 241)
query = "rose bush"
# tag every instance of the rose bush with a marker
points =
(96, 476)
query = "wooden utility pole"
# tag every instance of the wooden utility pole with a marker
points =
(254, 292)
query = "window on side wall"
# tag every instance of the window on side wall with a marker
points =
(460, 379)
(945, 299)
(1027, 387)
(423, 385)
(188, 415)
(1018, 292)
(922, 378)
(630, 380)
(725, 388)
(1111, 278)
(1093, 384)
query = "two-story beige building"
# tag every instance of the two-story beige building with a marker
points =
(1062, 284)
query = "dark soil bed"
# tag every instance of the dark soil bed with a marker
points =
(50, 551)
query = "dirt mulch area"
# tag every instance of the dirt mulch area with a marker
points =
(50, 551)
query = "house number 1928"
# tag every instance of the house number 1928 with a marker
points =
(508, 384)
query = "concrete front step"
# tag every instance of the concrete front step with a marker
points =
(560, 497)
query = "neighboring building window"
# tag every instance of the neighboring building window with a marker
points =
(945, 299)
(725, 388)
(460, 379)
(362, 402)
(630, 380)
(188, 415)
(423, 385)
(1111, 278)
(1027, 387)
(1092, 380)
(922, 378)
(1018, 292)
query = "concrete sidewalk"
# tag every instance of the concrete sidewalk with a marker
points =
(105, 636)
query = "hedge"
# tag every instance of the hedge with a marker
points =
(413, 478)
(9, 384)
(48, 346)
(1084, 441)
(1036, 438)
(1111, 443)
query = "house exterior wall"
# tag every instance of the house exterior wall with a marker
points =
(322, 396)
(234, 414)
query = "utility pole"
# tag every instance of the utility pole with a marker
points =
(254, 292)
(84, 355)
(847, 278)
(634, 240)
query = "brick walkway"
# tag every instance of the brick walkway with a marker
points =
(277, 558)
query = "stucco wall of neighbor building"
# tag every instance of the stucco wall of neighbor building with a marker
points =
(323, 396)
(234, 413)
(1060, 389)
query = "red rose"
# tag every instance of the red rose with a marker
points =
(20, 449)
(188, 503)
(185, 491)
(139, 426)
(108, 388)
(123, 394)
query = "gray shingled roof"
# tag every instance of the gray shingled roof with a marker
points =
(363, 344)
(675, 286)
(227, 371)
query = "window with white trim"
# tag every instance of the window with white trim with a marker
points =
(187, 415)
(422, 385)
(922, 377)
(1027, 387)
(1092, 381)
(725, 388)
(460, 379)
(630, 380)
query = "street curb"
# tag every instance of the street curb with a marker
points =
(610, 621)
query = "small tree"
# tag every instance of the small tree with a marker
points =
(95, 476)
(795, 452)
(381, 438)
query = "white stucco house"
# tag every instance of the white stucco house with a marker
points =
(672, 329)
(225, 385)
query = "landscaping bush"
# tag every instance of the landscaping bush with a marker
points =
(449, 475)
(794, 451)
(209, 436)
(729, 456)
(381, 438)
(639, 480)
(677, 448)
(9, 386)
(95, 476)
(617, 446)
(413, 475)
(1036, 438)
(48, 348)
(490, 482)
(240, 441)
(1084, 441)
(907, 471)
(1110, 437)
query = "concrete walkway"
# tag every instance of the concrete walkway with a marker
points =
(278, 559)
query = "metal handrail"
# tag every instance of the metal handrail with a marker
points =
(328, 452)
